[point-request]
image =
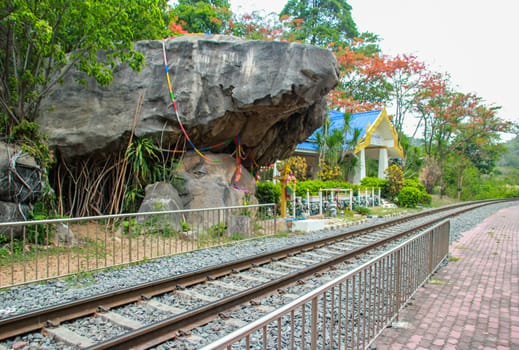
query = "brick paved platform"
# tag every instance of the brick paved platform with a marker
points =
(473, 302)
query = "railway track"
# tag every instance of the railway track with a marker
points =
(153, 313)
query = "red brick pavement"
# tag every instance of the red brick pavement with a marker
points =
(473, 302)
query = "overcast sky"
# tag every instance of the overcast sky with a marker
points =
(475, 41)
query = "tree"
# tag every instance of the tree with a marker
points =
(257, 26)
(43, 40)
(320, 22)
(401, 75)
(476, 141)
(457, 122)
(440, 110)
(202, 16)
(335, 147)
(356, 92)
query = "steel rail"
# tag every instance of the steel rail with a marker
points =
(162, 331)
(38, 319)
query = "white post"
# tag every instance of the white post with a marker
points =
(382, 163)
(351, 199)
(275, 172)
(320, 202)
(308, 202)
(379, 199)
(294, 204)
(362, 164)
(373, 196)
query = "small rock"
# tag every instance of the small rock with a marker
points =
(18, 345)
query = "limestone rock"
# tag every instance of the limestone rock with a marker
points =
(212, 184)
(269, 94)
(12, 212)
(65, 235)
(20, 175)
(161, 196)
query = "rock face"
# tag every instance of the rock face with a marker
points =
(20, 175)
(270, 95)
(211, 184)
(20, 184)
(202, 184)
(161, 196)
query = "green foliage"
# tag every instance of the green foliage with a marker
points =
(268, 192)
(217, 230)
(328, 172)
(132, 199)
(236, 237)
(414, 183)
(202, 16)
(45, 39)
(147, 165)
(362, 210)
(414, 160)
(376, 183)
(297, 167)
(131, 227)
(185, 226)
(395, 180)
(511, 157)
(413, 194)
(258, 26)
(142, 154)
(408, 197)
(313, 186)
(27, 133)
(321, 23)
(335, 161)
(477, 186)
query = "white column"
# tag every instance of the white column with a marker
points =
(362, 164)
(382, 163)
(360, 168)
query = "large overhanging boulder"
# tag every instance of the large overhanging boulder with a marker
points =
(269, 95)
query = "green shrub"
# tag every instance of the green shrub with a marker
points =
(268, 192)
(409, 197)
(217, 230)
(313, 186)
(362, 210)
(395, 182)
(377, 183)
(414, 183)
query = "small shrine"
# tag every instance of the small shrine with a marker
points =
(378, 140)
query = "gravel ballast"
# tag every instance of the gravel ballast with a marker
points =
(24, 298)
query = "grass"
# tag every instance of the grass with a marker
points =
(440, 202)
(379, 211)
(80, 279)
(30, 252)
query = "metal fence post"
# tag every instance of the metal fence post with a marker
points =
(398, 277)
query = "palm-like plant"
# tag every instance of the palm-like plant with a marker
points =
(141, 154)
(336, 146)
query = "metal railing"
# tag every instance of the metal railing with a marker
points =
(352, 310)
(43, 249)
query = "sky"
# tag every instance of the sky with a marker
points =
(474, 41)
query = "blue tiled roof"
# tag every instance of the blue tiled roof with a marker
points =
(359, 121)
